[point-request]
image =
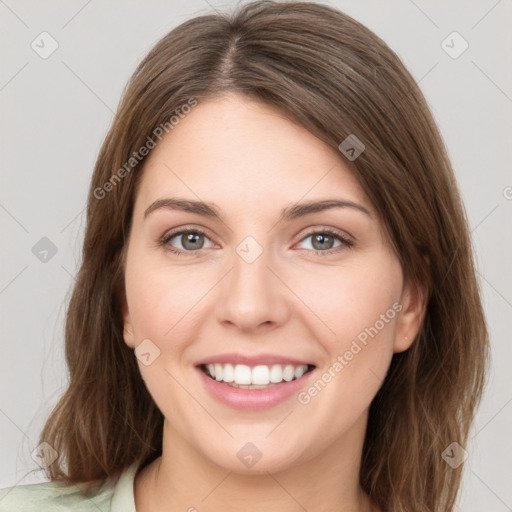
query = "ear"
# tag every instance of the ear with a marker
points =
(128, 335)
(410, 319)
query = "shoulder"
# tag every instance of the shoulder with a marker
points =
(110, 496)
(53, 497)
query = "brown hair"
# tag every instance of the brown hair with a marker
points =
(335, 77)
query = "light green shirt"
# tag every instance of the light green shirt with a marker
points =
(110, 496)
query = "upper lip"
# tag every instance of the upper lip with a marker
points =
(252, 360)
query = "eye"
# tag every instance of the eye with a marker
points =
(323, 241)
(190, 240)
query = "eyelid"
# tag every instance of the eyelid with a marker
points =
(345, 238)
(319, 228)
(309, 231)
(184, 229)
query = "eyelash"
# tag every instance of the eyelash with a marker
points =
(164, 241)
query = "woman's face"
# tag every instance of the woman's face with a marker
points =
(265, 285)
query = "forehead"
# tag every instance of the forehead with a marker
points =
(238, 152)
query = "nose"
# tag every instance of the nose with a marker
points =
(253, 296)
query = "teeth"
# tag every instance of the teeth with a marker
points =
(242, 374)
(260, 375)
(228, 373)
(218, 372)
(288, 373)
(276, 373)
(257, 376)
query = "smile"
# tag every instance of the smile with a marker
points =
(253, 388)
(256, 377)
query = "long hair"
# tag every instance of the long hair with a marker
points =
(327, 72)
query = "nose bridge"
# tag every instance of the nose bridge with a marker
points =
(251, 294)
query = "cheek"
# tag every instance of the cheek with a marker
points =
(362, 309)
(359, 307)
(348, 300)
(161, 303)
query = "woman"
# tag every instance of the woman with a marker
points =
(220, 358)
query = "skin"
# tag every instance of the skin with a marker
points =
(251, 161)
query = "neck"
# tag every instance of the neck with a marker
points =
(183, 479)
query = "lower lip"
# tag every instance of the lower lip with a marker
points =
(253, 399)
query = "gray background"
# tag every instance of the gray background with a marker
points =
(56, 112)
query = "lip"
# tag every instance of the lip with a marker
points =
(252, 360)
(253, 399)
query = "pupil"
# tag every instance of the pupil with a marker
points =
(189, 238)
(322, 238)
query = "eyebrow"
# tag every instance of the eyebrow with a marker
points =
(290, 212)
